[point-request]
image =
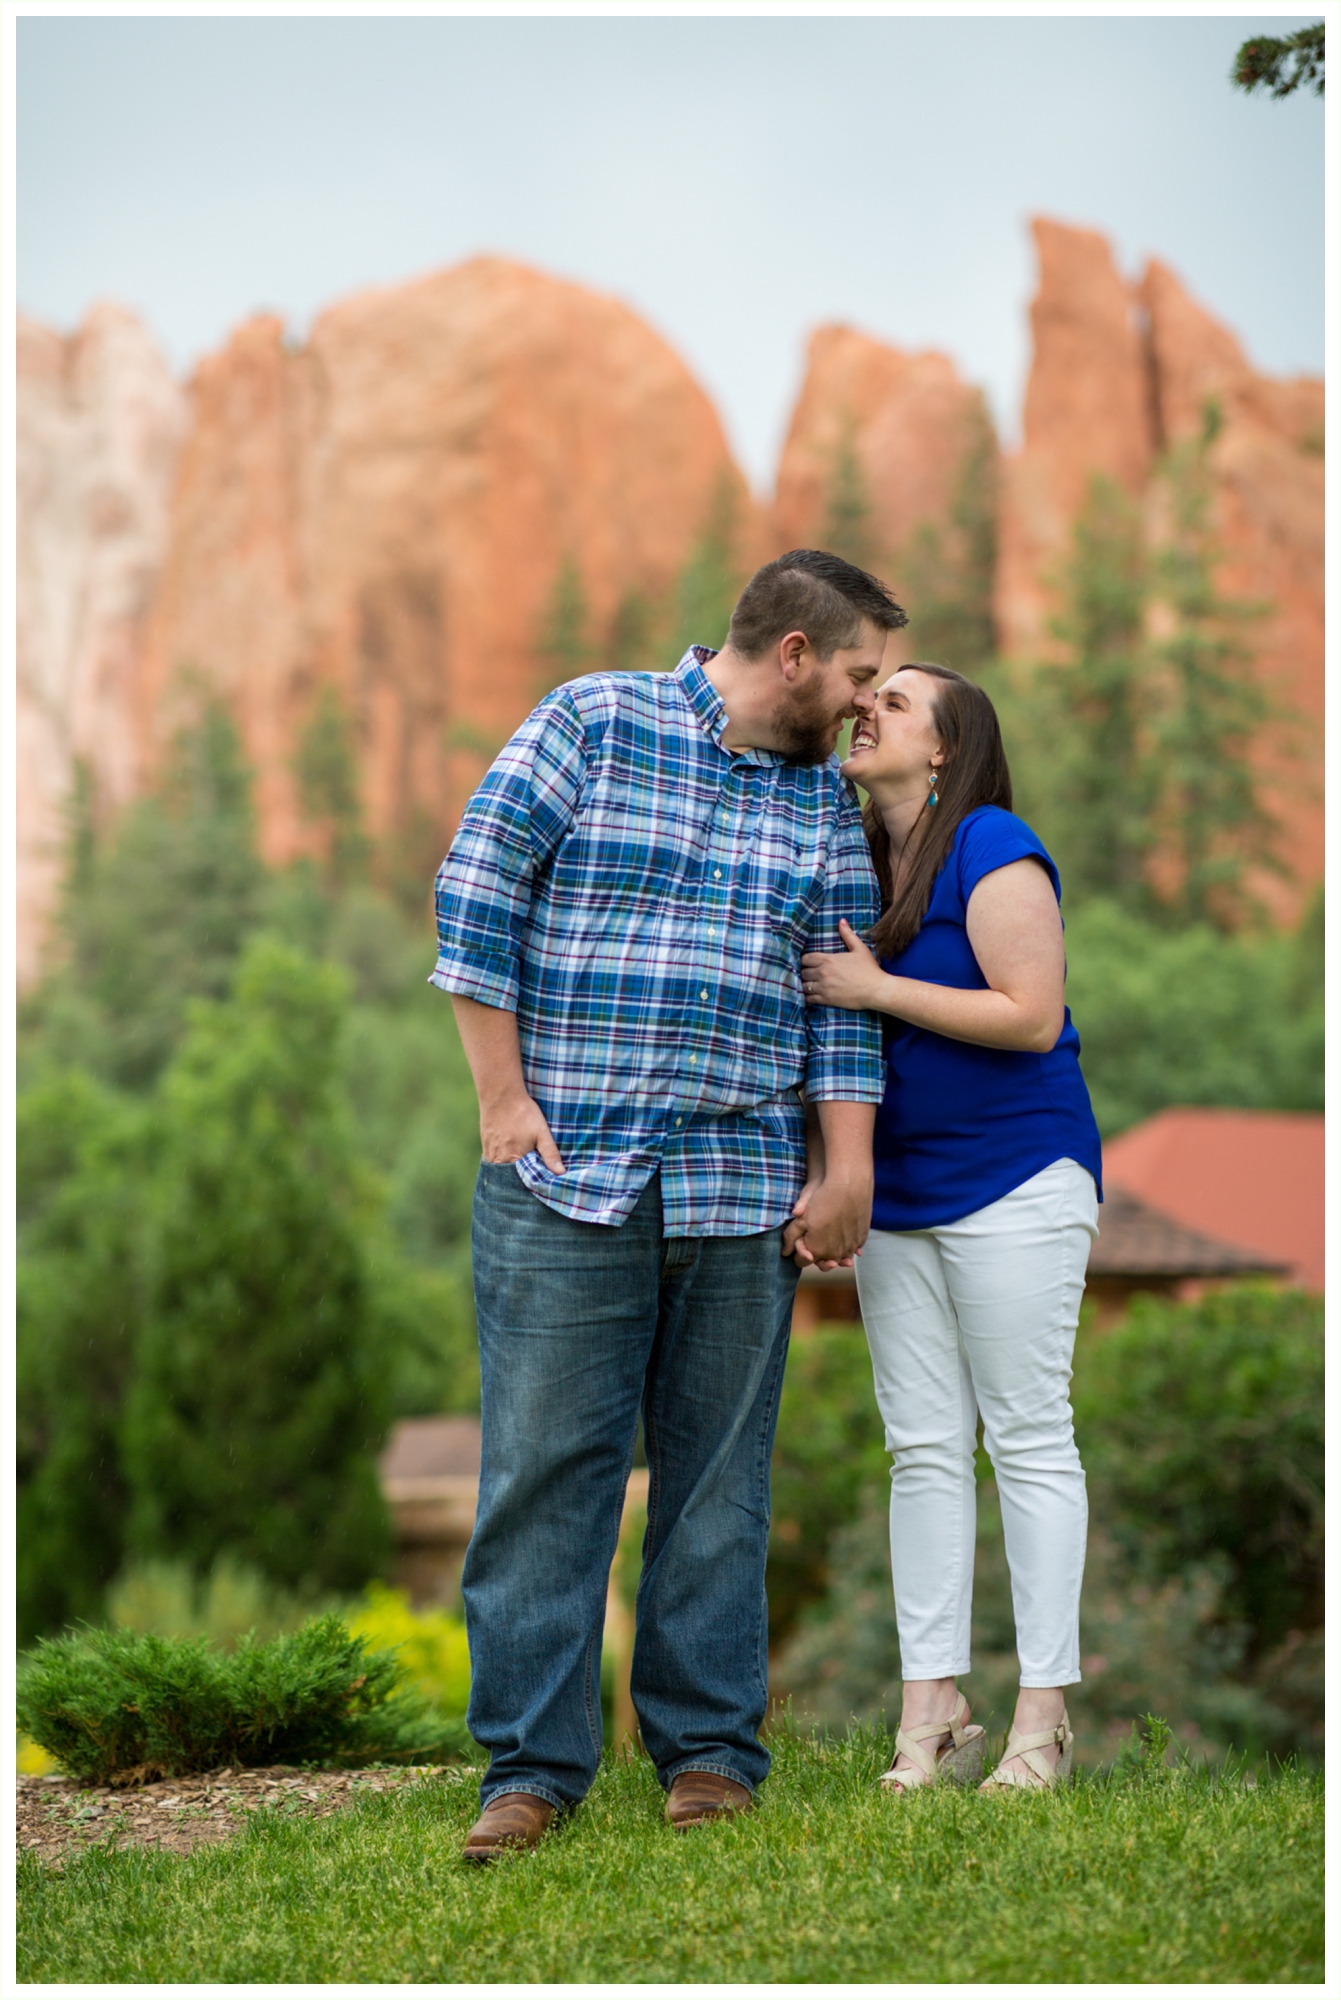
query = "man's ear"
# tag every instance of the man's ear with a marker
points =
(791, 649)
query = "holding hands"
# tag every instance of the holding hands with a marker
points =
(851, 978)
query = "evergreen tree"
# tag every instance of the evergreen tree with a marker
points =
(947, 573)
(326, 765)
(634, 644)
(1282, 63)
(1210, 811)
(84, 1157)
(257, 1403)
(1133, 753)
(564, 649)
(155, 912)
(847, 529)
(707, 588)
(1096, 781)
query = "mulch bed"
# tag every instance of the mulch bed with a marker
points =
(58, 1817)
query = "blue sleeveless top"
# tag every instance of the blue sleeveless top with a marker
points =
(960, 1125)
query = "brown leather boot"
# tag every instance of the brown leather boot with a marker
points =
(513, 1819)
(699, 1795)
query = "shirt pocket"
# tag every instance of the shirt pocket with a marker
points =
(794, 895)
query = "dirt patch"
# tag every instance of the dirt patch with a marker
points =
(58, 1817)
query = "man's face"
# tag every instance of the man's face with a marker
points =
(825, 694)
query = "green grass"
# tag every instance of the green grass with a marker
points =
(1174, 1877)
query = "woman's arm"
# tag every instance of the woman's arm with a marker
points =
(1015, 929)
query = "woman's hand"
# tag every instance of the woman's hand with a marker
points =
(851, 978)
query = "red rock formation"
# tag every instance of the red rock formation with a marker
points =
(1117, 378)
(1086, 411)
(385, 511)
(907, 420)
(98, 421)
(1266, 462)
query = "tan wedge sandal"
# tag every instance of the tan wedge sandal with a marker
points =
(1029, 1749)
(960, 1761)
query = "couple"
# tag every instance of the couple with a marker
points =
(651, 926)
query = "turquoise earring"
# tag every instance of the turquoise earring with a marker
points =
(933, 800)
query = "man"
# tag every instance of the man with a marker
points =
(621, 920)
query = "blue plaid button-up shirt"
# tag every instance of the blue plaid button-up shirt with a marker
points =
(640, 897)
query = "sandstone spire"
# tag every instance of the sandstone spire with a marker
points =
(98, 420)
(1267, 467)
(899, 425)
(1087, 410)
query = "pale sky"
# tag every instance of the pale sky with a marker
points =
(736, 181)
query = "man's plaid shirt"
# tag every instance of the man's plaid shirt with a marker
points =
(641, 897)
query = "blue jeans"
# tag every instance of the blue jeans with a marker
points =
(581, 1326)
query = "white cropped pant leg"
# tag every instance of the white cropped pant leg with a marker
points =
(976, 1316)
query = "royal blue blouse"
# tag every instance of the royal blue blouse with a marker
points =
(960, 1125)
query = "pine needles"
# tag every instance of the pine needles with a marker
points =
(118, 1707)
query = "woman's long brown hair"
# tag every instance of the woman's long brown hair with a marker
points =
(975, 773)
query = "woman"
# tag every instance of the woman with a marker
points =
(987, 1175)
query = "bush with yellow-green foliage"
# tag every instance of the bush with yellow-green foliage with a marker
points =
(430, 1645)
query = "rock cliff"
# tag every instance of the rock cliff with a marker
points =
(1267, 465)
(1087, 409)
(1119, 375)
(877, 449)
(99, 421)
(386, 510)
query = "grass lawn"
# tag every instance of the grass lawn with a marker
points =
(1164, 1877)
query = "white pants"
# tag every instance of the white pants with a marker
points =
(976, 1316)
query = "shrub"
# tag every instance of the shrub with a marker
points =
(430, 1644)
(1200, 1426)
(231, 1601)
(118, 1707)
(829, 1448)
(1202, 1429)
(1188, 1016)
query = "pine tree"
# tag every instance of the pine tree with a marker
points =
(1097, 783)
(707, 587)
(1281, 64)
(947, 572)
(257, 1404)
(155, 910)
(563, 650)
(326, 766)
(84, 1157)
(1210, 811)
(847, 528)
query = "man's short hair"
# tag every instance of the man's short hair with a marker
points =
(810, 591)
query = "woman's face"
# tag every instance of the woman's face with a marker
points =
(898, 743)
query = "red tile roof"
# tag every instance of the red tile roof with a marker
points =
(1251, 1178)
(1138, 1241)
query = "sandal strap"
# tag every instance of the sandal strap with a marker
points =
(1038, 1740)
(910, 1741)
(1029, 1751)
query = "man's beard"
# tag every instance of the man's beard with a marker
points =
(805, 726)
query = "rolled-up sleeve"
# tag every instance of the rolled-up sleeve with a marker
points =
(844, 1057)
(510, 829)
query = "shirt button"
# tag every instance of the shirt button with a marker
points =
(693, 1059)
(679, 1121)
(702, 992)
(716, 874)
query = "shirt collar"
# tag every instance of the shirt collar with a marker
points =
(708, 705)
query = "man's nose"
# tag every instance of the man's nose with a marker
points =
(863, 701)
